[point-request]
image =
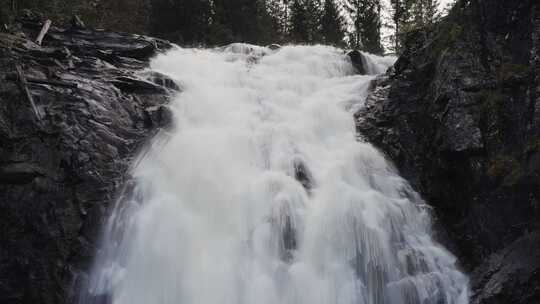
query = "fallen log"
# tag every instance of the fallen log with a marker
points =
(23, 84)
(43, 32)
(77, 23)
(44, 81)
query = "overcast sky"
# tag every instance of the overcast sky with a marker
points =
(444, 3)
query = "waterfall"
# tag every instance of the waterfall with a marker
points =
(261, 193)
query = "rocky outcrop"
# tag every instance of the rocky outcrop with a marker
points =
(73, 113)
(358, 61)
(510, 275)
(459, 114)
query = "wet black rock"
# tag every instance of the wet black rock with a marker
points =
(274, 46)
(63, 161)
(358, 61)
(303, 175)
(459, 114)
(511, 275)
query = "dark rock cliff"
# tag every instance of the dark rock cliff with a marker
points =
(62, 160)
(460, 116)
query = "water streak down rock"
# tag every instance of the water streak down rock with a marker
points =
(60, 173)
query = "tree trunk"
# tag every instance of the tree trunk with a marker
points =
(43, 32)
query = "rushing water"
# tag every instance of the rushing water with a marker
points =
(261, 193)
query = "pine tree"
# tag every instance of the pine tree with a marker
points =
(182, 21)
(267, 28)
(331, 24)
(401, 15)
(366, 16)
(314, 14)
(243, 21)
(299, 31)
(278, 12)
(410, 15)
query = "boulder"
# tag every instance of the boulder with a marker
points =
(358, 61)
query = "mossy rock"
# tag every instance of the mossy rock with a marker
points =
(11, 41)
(533, 146)
(512, 71)
(506, 169)
(492, 97)
(449, 34)
(492, 104)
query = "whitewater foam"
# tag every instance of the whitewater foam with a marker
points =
(261, 193)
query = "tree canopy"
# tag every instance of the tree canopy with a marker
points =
(354, 23)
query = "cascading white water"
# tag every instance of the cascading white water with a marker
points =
(262, 194)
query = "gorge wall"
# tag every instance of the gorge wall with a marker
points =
(62, 164)
(460, 116)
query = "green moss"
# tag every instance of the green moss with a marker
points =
(490, 96)
(508, 71)
(455, 33)
(491, 115)
(532, 146)
(448, 34)
(491, 101)
(514, 177)
(506, 169)
(9, 41)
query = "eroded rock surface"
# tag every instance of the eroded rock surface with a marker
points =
(460, 116)
(60, 172)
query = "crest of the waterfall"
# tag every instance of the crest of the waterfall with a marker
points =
(375, 65)
(261, 194)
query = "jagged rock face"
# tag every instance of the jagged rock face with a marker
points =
(507, 276)
(460, 116)
(59, 174)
